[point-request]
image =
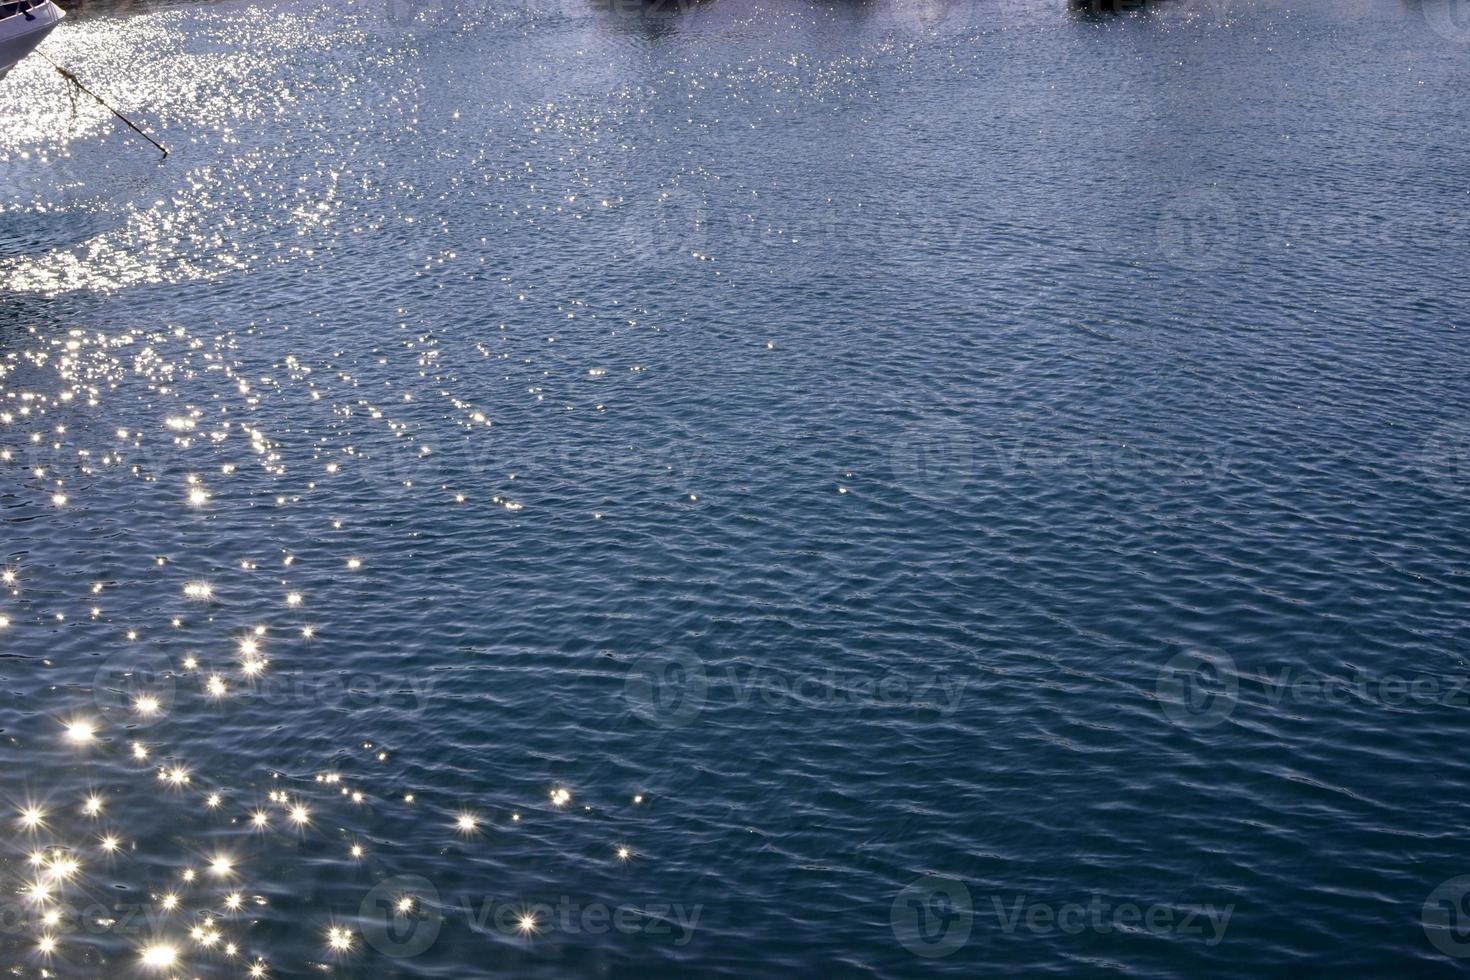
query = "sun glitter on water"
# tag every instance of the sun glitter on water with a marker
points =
(160, 956)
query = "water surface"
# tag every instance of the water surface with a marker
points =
(735, 488)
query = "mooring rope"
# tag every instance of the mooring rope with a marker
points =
(75, 85)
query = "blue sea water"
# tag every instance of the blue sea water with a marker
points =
(560, 489)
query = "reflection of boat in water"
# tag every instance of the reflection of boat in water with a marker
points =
(24, 24)
(1096, 7)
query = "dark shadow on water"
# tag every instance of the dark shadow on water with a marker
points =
(652, 17)
(849, 11)
(647, 8)
(656, 18)
(1108, 8)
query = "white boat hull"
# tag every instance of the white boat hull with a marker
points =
(21, 33)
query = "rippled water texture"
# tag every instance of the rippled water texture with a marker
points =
(731, 489)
